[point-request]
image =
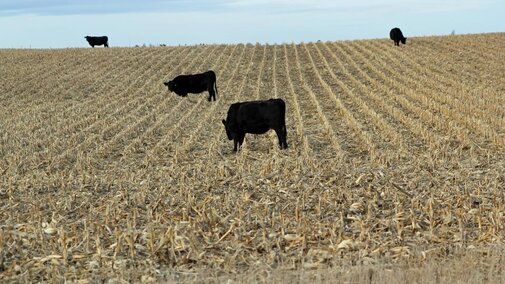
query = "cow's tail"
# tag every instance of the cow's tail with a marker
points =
(283, 113)
(284, 143)
(283, 106)
(215, 82)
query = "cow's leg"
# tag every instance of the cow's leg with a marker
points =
(239, 140)
(281, 135)
(214, 90)
(285, 136)
(235, 142)
(212, 93)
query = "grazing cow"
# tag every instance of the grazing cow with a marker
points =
(256, 117)
(396, 35)
(194, 84)
(97, 40)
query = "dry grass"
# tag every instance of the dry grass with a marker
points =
(396, 164)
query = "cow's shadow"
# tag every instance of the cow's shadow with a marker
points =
(193, 100)
(259, 144)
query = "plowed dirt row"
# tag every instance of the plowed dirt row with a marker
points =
(395, 160)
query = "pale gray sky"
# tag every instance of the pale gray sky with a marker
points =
(60, 23)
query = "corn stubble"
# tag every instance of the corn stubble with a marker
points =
(396, 159)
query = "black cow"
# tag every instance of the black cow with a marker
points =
(97, 40)
(396, 35)
(194, 84)
(256, 117)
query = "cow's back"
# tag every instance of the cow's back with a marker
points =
(97, 40)
(392, 33)
(195, 83)
(233, 114)
(396, 34)
(258, 117)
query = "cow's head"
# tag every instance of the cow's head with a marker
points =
(87, 37)
(230, 130)
(404, 40)
(171, 85)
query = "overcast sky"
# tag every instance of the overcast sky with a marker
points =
(64, 23)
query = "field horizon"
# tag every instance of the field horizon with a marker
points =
(396, 163)
(164, 45)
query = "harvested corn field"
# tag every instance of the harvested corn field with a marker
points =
(396, 158)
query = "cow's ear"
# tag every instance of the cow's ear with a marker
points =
(165, 83)
(224, 122)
